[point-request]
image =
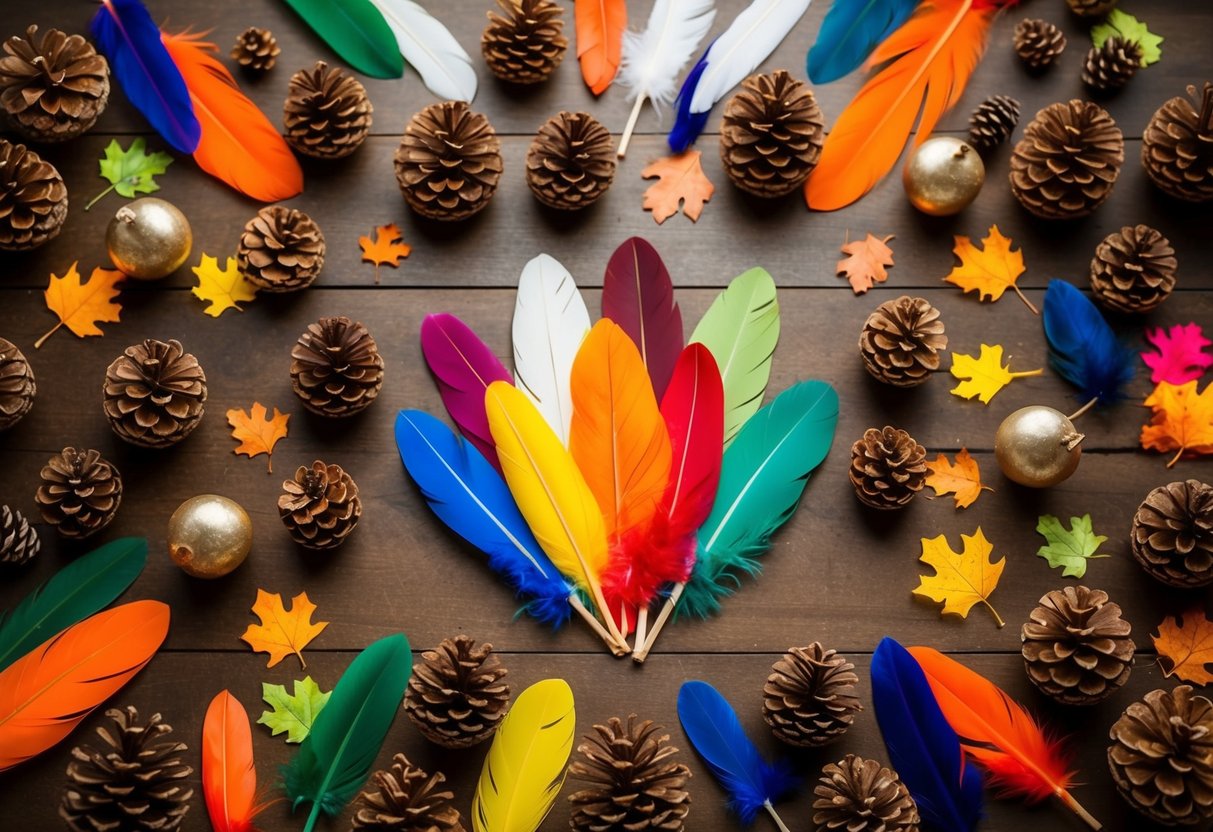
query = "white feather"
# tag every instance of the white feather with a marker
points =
(429, 46)
(550, 322)
(652, 59)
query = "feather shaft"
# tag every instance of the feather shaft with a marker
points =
(357, 32)
(600, 25)
(637, 294)
(444, 66)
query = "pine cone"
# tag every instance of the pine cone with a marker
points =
(281, 249)
(321, 506)
(1133, 269)
(858, 795)
(809, 698)
(887, 468)
(18, 539)
(1091, 8)
(129, 783)
(33, 199)
(1172, 535)
(571, 162)
(17, 388)
(80, 493)
(993, 122)
(256, 49)
(154, 394)
(1067, 161)
(1161, 756)
(456, 696)
(634, 784)
(902, 340)
(1038, 43)
(407, 800)
(1076, 646)
(526, 45)
(1111, 66)
(771, 135)
(336, 368)
(449, 161)
(1177, 147)
(328, 115)
(52, 87)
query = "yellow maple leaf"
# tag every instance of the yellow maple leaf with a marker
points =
(222, 288)
(991, 270)
(961, 579)
(680, 181)
(1183, 420)
(282, 631)
(1185, 647)
(865, 262)
(81, 306)
(257, 434)
(386, 249)
(985, 375)
(962, 479)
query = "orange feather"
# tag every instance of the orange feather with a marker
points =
(229, 778)
(600, 25)
(47, 692)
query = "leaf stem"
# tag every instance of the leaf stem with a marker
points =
(1024, 298)
(1027, 373)
(95, 199)
(1170, 464)
(38, 343)
(997, 618)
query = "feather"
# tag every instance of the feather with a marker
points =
(126, 34)
(229, 778)
(550, 320)
(600, 25)
(464, 367)
(47, 692)
(525, 766)
(749, 40)
(76, 591)
(239, 145)
(638, 295)
(334, 760)
(1083, 349)
(923, 748)
(711, 725)
(444, 65)
(849, 33)
(357, 32)
(741, 328)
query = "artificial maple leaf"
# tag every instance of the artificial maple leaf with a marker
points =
(961, 579)
(222, 288)
(985, 375)
(295, 713)
(81, 306)
(963, 479)
(1185, 647)
(865, 262)
(991, 270)
(680, 180)
(386, 249)
(1129, 28)
(256, 433)
(131, 171)
(1183, 420)
(282, 632)
(1181, 355)
(1069, 550)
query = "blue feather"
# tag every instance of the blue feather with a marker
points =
(130, 39)
(849, 33)
(923, 748)
(470, 497)
(712, 726)
(1083, 349)
(688, 125)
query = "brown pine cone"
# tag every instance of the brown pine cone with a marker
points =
(130, 783)
(1172, 535)
(336, 368)
(327, 112)
(18, 539)
(771, 135)
(1177, 147)
(858, 795)
(154, 394)
(17, 388)
(256, 49)
(1038, 43)
(281, 249)
(321, 506)
(406, 799)
(634, 782)
(1067, 161)
(1111, 66)
(1076, 646)
(456, 696)
(887, 468)
(809, 697)
(1161, 756)
(80, 493)
(992, 122)
(526, 45)
(1133, 269)
(571, 162)
(1091, 8)
(449, 161)
(902, 340)
(52, 87)
(33, 199)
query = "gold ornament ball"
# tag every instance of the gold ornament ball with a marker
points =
(149, 239)
(943, 175)
(1037, 446)
(209, 536)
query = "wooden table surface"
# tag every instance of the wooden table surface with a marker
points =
(837, 573)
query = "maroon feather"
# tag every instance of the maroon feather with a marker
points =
(637, 294)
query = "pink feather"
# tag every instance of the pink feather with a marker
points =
(638, 295)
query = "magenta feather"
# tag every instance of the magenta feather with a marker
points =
(638, 295)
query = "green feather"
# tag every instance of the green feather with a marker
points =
(335, 759)
(357, 32)
(83, 587)
(762, 476)
(740, 329)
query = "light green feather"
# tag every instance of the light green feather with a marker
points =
(357, 32)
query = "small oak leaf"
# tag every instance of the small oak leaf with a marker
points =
(1185, 647)
(282, 632)
(989, 271)
(962, 480)
(292, 713)
(1181, 355)
(222, 288)
(256, 433)
(985, 375)
(1069, 550)
(963, 578)
(865, 262)
(81, 306)
(1129, 28)
(680, 181)
(386, 249)
(1183, 420)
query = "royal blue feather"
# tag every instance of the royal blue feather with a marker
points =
(712, 726)
(127, 36)
(688, 125)
(849, 33)
(470, 497)
(1083, 349)
(922, 746)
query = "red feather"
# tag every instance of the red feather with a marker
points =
(638, 295)
(229, 778)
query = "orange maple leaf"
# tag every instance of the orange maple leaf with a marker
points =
(256, 433)
(81, 306)
(963, 479)
(386, 249)
(865, 262)
(680, 181)
(989, 271)
(282, 631)
(1185, 647)
(1183, 420)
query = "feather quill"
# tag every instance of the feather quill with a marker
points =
(600, 25)
(1083, 349)
(849, 33)
(357, 32)
(638, 295)
(444, 66)
(229, 777)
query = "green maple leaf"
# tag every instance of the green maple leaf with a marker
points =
(1069, 550)
(131, 171)
(1131, 29)
(292, 714)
